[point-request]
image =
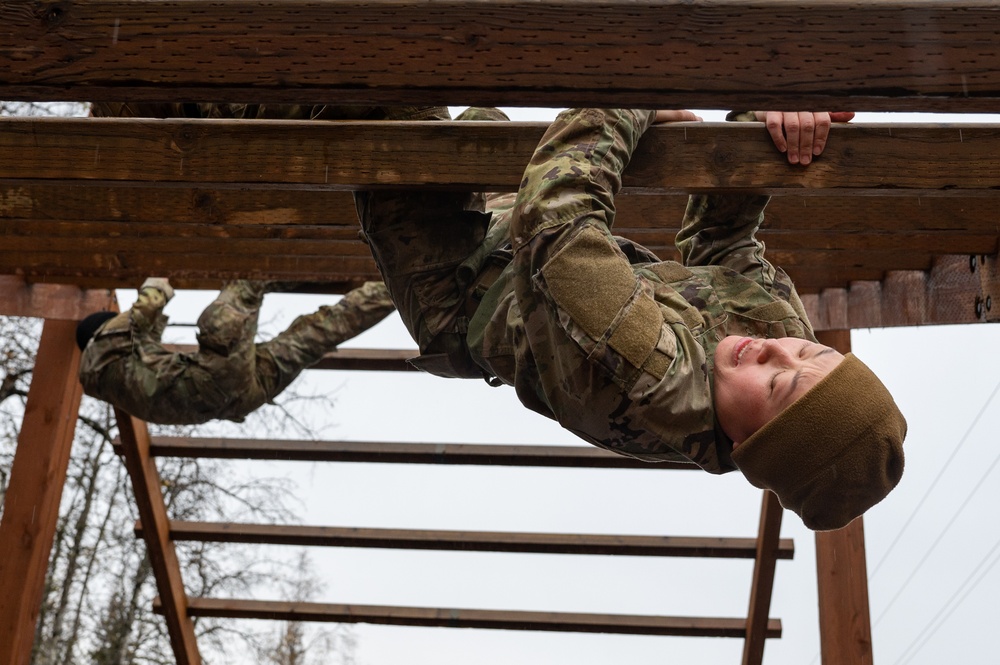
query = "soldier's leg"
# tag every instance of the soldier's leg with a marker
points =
(146, 314)
(127, 365)
(226, 330)
(217, 380)
(422, 243)
(312, 336)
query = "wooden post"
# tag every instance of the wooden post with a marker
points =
(31, 506)
(149, 501)
(768, 536)
(842, 576)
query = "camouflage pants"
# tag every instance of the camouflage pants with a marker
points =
(430, 247)
(229, 375)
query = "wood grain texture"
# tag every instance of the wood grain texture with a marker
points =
(487, 156)
(50, 301)
(106, 202)
(645, 53)
(146, 486)
(31, 503)
(473, 541)
(766, 556)
(468, 618)
(842, 577)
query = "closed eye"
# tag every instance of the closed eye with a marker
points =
(774, 379)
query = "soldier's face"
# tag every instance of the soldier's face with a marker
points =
(755, 379)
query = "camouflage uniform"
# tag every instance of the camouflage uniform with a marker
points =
(590, 329)
(228, 376)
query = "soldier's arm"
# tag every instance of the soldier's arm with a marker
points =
(582, 306)
(720, 229)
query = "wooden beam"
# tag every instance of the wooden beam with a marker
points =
(844, 618)
(135, 448)
(651, 54)
(463, 618)
(327, 269)
(766, 556)
(31, 504)
(474, 541)
(380, 360)
(987, 267)
(947, 293)
(402, 453)
(116, 232)
(372, 360)
(825, 268)
(861, 158)
(50, 301)
(842, 578)
(134, 209)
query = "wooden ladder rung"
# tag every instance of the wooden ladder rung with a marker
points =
(372, 360)
(401, 453)
(463, 618)
(472, 541)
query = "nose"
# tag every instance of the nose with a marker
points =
(770, 349)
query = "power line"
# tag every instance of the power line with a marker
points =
(930, 487)
(941, 535)
(916, 510)
(964, 589)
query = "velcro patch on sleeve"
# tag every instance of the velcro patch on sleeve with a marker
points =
(593, 283)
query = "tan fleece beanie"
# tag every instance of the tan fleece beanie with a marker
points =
(834, 453)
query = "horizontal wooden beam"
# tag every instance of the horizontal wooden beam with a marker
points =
(464, 618)
(378, 360)
(159, 217)
(472, 541)
(911, 55)
(50, 301)
(884, 250)
(147, 210)
(372, 360)
(402, 453)
(239, 258)
(490, 156)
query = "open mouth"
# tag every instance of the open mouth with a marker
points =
(741, 349)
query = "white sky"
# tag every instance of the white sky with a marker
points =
(940, 376)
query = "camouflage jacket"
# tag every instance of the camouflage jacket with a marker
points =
(597, 333)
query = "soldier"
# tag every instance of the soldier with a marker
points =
(124, 361)
(712, 361)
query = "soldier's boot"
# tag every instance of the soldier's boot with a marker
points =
(146, 313)
(312, 336)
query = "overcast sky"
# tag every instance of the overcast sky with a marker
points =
(933, 592)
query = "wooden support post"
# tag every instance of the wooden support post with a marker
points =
(31, 506)
(842, 577)
(146, 486)
(763, 579)
(987, 303)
